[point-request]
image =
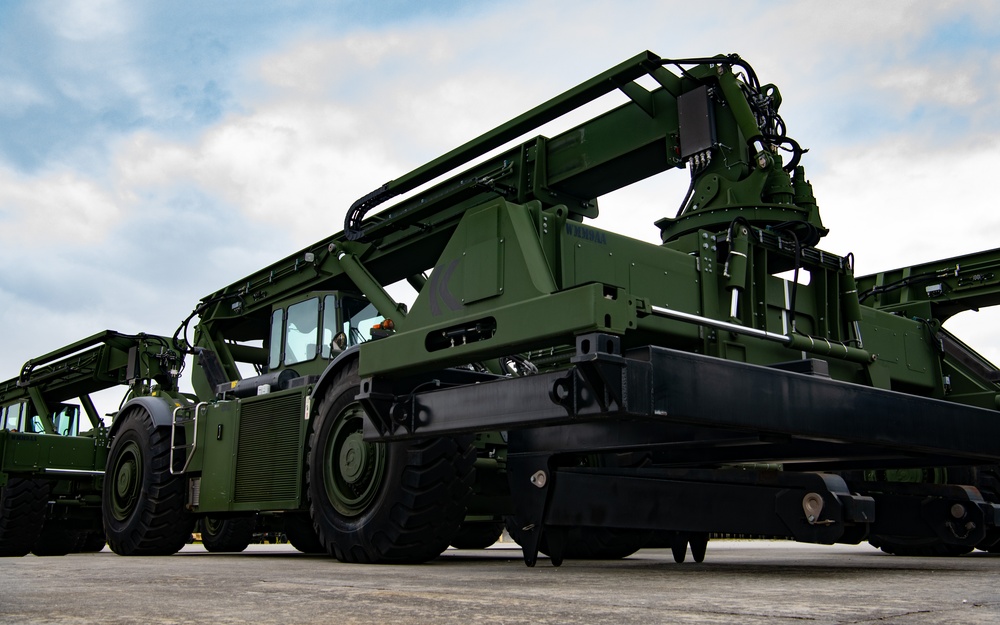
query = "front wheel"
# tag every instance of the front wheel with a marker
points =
(142, 502)
(382, 502)
(589, 543)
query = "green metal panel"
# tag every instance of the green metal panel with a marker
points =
(526, 311)
(269, 452)
(24, 452)
(218, 431)
(482, 271)
(250, 453)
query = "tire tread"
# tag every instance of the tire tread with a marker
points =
(22, 514)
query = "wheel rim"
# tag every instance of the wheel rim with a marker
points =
(353, 468)
(212, 526)
(126, 479)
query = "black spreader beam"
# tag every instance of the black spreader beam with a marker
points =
(660, 385)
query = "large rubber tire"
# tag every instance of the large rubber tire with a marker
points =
(373, 503)
(477, 534)
(917, 547)
(988, 482)
(232, 534)
(57, 539)
(926, 546)
(22, 514)
(591, 543)
(300, 533)
(142, 502)
(92, 542)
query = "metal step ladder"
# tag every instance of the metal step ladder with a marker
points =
(183, 415)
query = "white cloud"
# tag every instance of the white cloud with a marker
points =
(908, 201)
(16, 96)
(54, 207)
(313, 67)
(95, 58)
(294, 167)
(923, 85)
(87, 20)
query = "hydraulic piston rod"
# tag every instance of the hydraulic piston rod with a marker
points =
(810, 344)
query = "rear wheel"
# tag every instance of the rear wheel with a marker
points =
(142, 502)
(591, 543)
(988, 482)
(57, 539)
(229, 534)
(477, 534)
(382, 502)
(300, 533)
(92, 542)
(924, 546)
(22, 514)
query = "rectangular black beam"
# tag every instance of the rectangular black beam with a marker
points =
(732, 502)
(662, 386)
(695, 389)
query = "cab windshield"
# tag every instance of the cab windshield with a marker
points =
(306, 329)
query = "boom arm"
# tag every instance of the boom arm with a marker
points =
(939, 289)
(92, 364)
(690, 118)
(724, 126)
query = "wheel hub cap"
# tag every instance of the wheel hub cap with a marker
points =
(354, 468)
(127, 476)
(353, 457)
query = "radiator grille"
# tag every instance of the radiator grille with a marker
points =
(267, 455)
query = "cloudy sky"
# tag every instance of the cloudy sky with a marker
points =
(153, 152)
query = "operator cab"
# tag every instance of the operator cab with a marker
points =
(317, 327)
(20, 417)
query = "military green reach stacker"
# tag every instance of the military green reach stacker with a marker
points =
(593, 393)
(50, 472)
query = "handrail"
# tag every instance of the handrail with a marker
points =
(194, 438)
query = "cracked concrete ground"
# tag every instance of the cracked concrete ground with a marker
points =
(745, 582)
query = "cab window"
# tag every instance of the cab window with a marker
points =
(277, 327)
(67, 420)
(333, 340)
(302, 331)
(359, 317)
(12, 417)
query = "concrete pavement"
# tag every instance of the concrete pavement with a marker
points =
(744, 582)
